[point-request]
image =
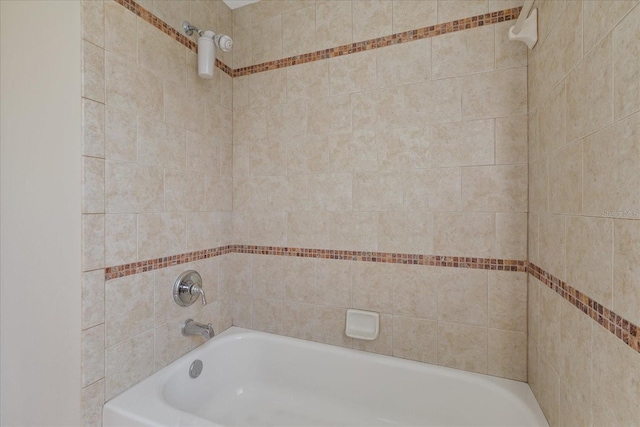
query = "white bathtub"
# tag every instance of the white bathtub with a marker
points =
(252, 378)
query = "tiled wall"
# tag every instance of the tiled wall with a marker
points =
(584, 220)
(418, 148)
(156, 182)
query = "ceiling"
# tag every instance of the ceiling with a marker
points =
(234, 4)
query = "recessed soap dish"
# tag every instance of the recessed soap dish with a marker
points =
(363, 325)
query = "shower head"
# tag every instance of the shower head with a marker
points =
(224, 42)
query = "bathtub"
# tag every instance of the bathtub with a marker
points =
(253, 378)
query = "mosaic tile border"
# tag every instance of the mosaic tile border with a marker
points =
(623, 329)
(397, 38)
(404, 37)
(384, 257)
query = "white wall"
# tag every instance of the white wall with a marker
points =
(40, 213)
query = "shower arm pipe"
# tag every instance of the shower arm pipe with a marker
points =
(189, 29)
(524, 13)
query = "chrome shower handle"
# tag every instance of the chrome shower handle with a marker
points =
(188, 288)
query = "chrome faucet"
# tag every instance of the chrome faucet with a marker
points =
(191, 327)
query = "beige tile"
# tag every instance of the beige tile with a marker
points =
(331, 326)
(329, 192)
(565, 179)
(373, 286)
(415, 339)
(267, 315)
(93, 129)
(299, 320)
(270, 193)
(401, 149)
(120, 36)
(249, 124)
(590, 257)
(299, 279)
(384, 343)
(120, 136)
(287, 121)
(464, 234)
(532, 239)
(308, 229)
(173, 12)
(202, 154)
(413, 14)
(463, 143)
(575, 353)
(508, 53)
(121, 246)
(129, 307)
(611, 161)
(377, 109)
(242, 16)
(353, 152)
(507, 354)
(127, 363)
(464, 52)
(329, 115)
(184, 110)
(508, 301)
(352, 73)
(589, 104)
(534, 150)
(161, 235)
(268, 156)
(552, 242)
(206, 13)
(93, 72)
(552, 120)
(170, 345)
(511, 140)
(333, 24)
(268, 88)
(404, 63)
(353, 231)
(450, 10)
(92, 355)
(205, 230)
(133, 188)
(498, 5)
(333, 282)
(495, 188)
(495, 94)
(433, 102)
(93, 22)
(511, 235)
(92, 242)
(218, 193)
(160, 144)
(377, 192)
(161, 54)
(626, 281)
(219, 122)
(601, 17)
(415, 291)
(549, 329)
(269, 229)
(92, 298)
(462, 296)
(308, 155)
(462, 347)
(133, 89)
(539, 185)
(405, 232)
(242, 51)
(549, 390)
(92, 400)
(371, 19)
(614, 391)
(533, 305)
(625, 49)
(299, 31)
(268, 275)
(266, 39)
(432, 190)
(572, 413)
(242, 311)
(92, 185)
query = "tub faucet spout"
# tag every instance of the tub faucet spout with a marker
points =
(191, 327)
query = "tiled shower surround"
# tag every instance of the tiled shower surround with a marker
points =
(366, 154)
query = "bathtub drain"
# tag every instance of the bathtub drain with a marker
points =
(195, 369)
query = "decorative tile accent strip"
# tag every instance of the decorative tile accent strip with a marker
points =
(614, 323)
(385, 257)
(407, 36)
(149, 17)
